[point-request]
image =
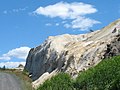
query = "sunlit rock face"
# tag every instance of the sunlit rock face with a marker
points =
(73, 53)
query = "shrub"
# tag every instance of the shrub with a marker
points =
(62, 81)
(104, 76)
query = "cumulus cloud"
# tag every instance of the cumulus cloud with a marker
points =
(11, 64)
(73, 11)
(83, 23)
(20, 53)
(65, 10)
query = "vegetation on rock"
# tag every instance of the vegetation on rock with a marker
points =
(104, 76)
(62, 81)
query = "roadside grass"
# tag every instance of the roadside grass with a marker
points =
(22, 75)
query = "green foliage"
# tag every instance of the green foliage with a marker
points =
(62, 81)
(104, 76)
(25, 72)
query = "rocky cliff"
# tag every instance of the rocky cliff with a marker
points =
(72, 53)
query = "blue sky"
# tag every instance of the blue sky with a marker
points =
(27, 23)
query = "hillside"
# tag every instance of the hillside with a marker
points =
(72, 54)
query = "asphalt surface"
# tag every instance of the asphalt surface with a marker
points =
(9, 82)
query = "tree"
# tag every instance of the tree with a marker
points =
(4, 67)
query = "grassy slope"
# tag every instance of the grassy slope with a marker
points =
(104, 76)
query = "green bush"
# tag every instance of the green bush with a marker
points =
(62, 81)
(104, 76)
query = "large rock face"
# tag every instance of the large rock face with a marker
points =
(73, 53)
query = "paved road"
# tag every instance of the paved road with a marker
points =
(9, 82)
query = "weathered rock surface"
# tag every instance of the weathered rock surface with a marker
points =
(72, 53)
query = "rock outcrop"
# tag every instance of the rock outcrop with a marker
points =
(72, 53)
(20, 67)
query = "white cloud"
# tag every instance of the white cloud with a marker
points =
(73, 11)
(11, 64)
(67, 25)
(19, 9)
(65, 10)
(57, 24)
(48, 24)
(20, 53)
(15, 10)
(83, 23)
(64, 22)
(4, 58)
